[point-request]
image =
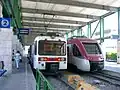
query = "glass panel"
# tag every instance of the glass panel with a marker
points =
(92, 48)
(57, 48)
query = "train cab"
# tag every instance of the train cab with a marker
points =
(85, 54)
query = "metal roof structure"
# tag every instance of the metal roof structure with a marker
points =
(64, 15)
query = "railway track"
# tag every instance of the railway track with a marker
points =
(108, 75)
(61, 84)
(66, 83)
(105, 76)
(111, 79)
(57, 82)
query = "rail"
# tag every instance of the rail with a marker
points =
(106, 77)
(41, 82)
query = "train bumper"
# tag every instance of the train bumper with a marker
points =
(94, 66)
(52, 66)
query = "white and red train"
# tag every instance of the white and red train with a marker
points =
(85, 54)
(49, 53)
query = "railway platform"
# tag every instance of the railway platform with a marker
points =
(20, 79)
(112, 66)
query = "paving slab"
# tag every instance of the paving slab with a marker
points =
(20, 79)
(112, 66)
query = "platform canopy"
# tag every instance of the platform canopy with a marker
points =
(64, 15)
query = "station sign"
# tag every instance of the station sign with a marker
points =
(24, 31)
(4, 22)
(114, 36)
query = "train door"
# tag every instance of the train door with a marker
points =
(77, 57)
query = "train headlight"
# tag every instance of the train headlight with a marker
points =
(59, 59)
(42, 59)
(45, 59)
(62, 59)
(101, 59)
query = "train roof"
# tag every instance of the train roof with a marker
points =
(82, 39)
(50, 38)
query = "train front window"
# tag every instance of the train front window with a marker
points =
(57, 48)
(92, 48)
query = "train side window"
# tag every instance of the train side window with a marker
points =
(76, 51)
(35, 50)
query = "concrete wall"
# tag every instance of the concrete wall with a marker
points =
(8, 42)
(6, 48)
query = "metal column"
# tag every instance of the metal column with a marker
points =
(89, 30)
(67, 35)
(101, 29)
(119, 22)
(95, 29)
(72, 34)
(78, 32)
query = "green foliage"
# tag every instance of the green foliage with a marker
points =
(112, 56)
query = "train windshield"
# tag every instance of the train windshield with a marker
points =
(92, 48)
(56, 48)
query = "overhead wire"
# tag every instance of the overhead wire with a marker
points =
(46, 25)
(45, 22)
(34, 13)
